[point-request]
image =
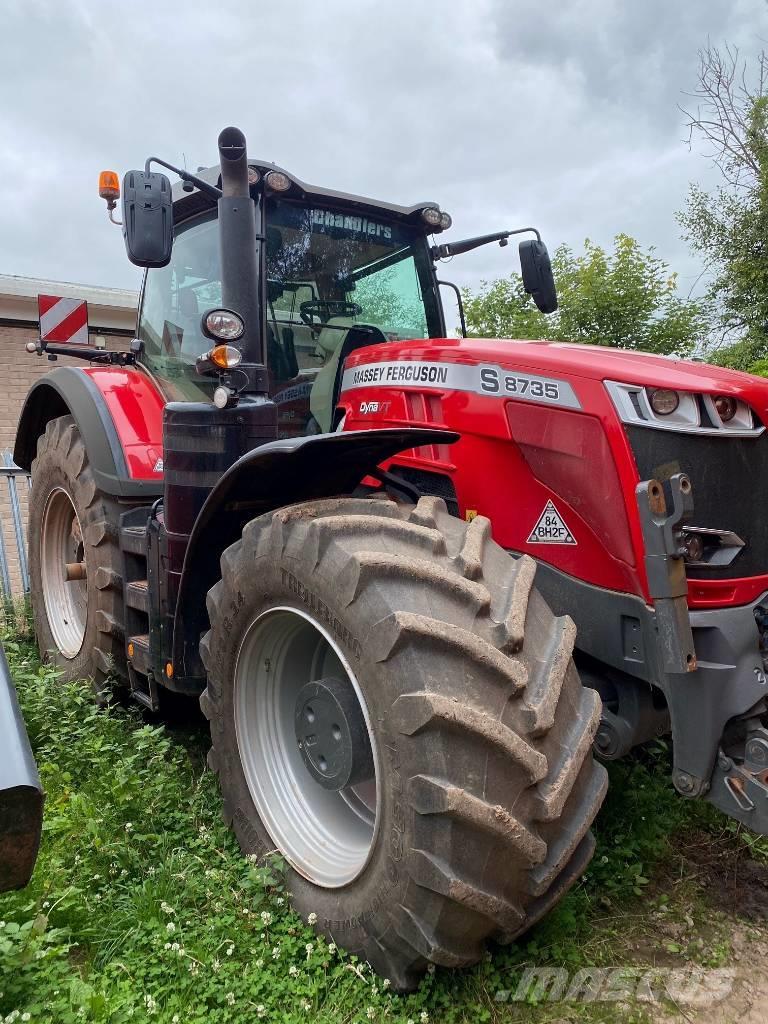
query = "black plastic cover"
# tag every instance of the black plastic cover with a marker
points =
(21, 795)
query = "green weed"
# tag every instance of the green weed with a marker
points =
(142, 908)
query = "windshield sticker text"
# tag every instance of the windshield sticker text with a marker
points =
(356, 225)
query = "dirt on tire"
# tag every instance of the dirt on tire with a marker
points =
(484, 731)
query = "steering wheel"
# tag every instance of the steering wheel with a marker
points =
(330, 307)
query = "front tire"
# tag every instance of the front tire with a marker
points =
(483, 785)
(78, 623)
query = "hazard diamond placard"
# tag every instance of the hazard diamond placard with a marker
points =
(63, 320)
(551, 528)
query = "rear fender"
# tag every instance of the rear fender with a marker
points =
(118, 412)
(21, 795)
(273, 476)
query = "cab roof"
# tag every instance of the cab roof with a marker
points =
(188, 204)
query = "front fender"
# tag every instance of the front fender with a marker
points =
(119, 413)
(272, 476)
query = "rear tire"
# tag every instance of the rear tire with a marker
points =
(79, 625)
(480, 728)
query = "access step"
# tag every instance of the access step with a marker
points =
(134, 539)
(137, 595)
(138, 653)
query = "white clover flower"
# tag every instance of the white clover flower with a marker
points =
(96, 878)
(293, 970)
(194, 968)
(124, 872)
(26, 1016)
(167, 908)
(331, 947)
(259, 964)
(167, 945)
(312, 919)
(275, 952)
(370, 1013)
(423, 1017)
(309, 947)
(280, 901)
(216, 964)
(253, 858)
(266, 917)
(175, 1019)
(305, 1005)
(175, 946)
(150, 871)
(46, 904)
(231, 998)
(230, 950)
(260, 1010)
(386, 983)
(170, 927)
(129, 826)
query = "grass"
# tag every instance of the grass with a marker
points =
(141, 907)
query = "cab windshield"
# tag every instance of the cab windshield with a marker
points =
(335, 281)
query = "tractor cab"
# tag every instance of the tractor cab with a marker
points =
(332, 273)
(338, 273)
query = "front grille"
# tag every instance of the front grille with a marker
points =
(730, 486)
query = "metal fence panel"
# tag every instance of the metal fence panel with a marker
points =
(11, 514)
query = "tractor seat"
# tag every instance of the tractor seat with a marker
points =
(327, 385)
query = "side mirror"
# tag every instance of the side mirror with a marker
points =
(538, 280)
(147, 218)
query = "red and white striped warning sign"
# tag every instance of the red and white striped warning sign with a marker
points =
(63, 319)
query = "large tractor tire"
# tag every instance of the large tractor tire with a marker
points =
(394, 709)
(79, 623)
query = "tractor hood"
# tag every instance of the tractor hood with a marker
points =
(595, 362)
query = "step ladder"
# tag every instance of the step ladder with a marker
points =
(139, 565)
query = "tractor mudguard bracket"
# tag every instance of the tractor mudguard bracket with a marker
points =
(665, 567)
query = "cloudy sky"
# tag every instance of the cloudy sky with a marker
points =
(507, 112)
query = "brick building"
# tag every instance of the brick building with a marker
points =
(111, 317)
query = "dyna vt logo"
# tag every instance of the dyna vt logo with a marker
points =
(366, 408)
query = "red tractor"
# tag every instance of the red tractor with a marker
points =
(280, 500)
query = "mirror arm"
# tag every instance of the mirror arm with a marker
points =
(466, 245)
(203, 186)
(459, 302)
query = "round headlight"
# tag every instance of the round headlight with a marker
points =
(278, 181)
(726, 407)
(221, 397)
(253, 176)
(664, 401)
(432, 216)
(223, 325)
(445, 221)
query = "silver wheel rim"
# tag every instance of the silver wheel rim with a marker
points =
(66, 603)
(327, 836)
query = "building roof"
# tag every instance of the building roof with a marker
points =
(108, 308)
